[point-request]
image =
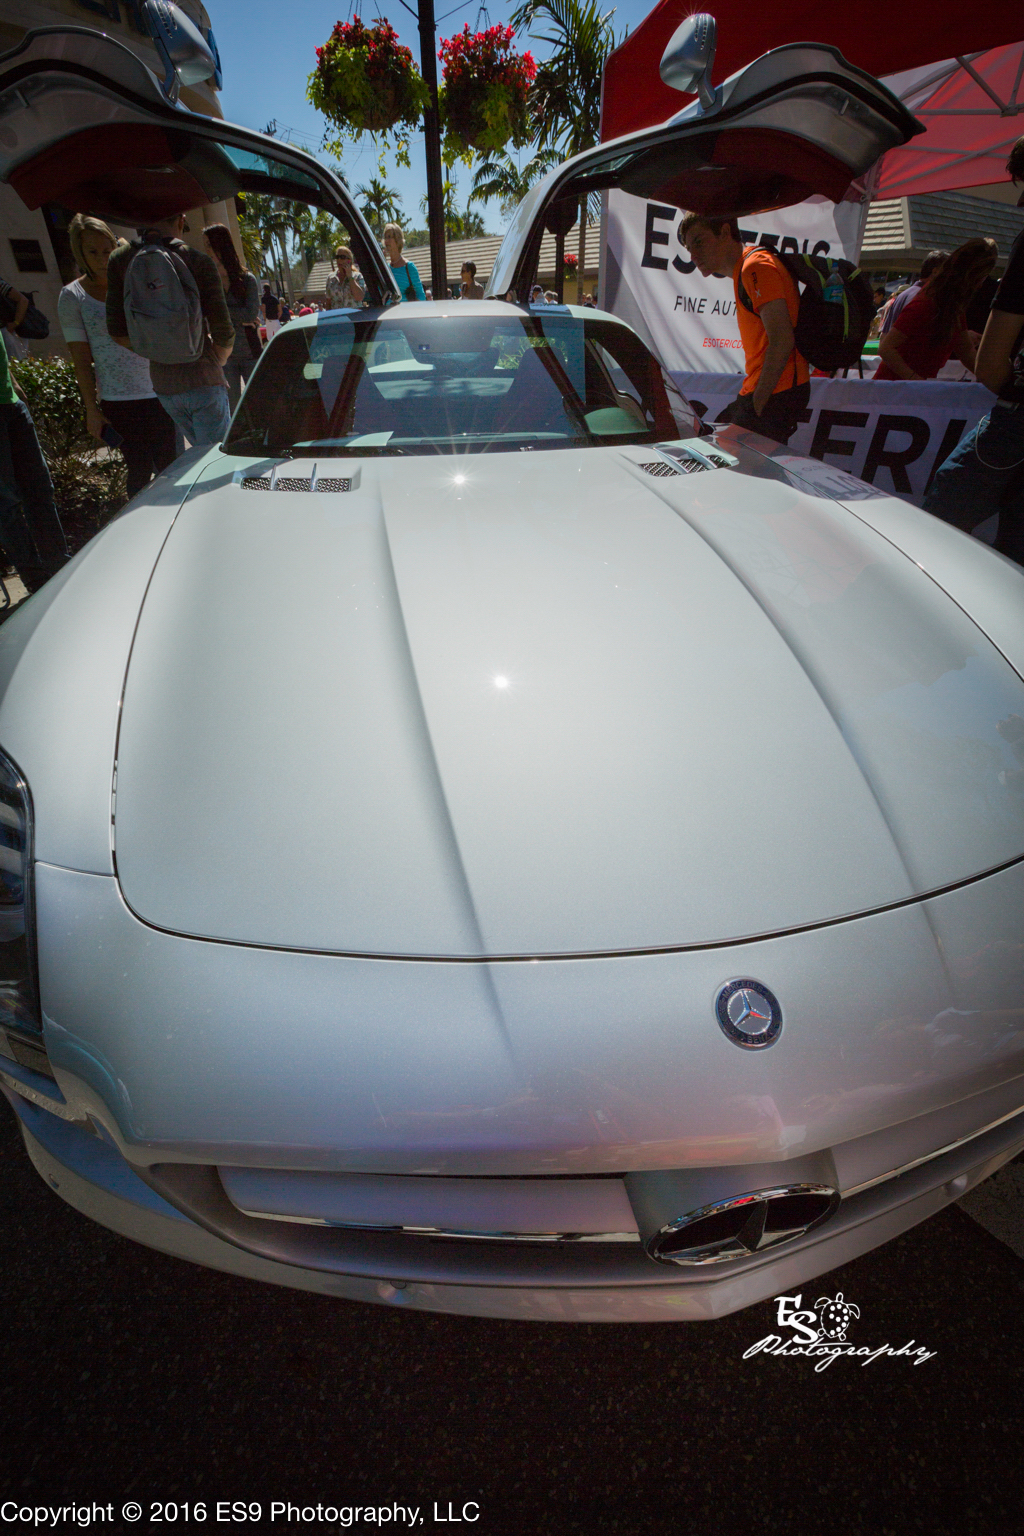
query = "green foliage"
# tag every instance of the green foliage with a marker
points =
(262, 222)
(88, 483)
(381, 205)
(318, 233)
(365, 81)
(457, 226)
(472, 225)
(566, 94)
(499, 176)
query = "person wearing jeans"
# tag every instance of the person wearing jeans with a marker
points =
(985, 473)
(114, 384)
(30, 529)
(194, 395)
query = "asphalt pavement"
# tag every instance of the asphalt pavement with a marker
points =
(134, 1379)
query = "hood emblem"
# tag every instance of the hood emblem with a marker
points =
(749, 1014)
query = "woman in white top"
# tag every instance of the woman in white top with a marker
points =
(114, 384)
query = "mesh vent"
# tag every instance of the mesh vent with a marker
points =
(295, 483)
(658, 467)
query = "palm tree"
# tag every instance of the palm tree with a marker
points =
(265, 223)
(318, 234)
(499, 176)
(457, 226)
(381, 205)
(567, 91)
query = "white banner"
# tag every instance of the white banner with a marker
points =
(891, 434)
(689, 321)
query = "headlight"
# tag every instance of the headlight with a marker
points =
(21, 1030)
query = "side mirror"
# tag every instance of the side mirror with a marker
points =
(686, 62)
(184, 52)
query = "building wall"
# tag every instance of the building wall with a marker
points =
(18, 224)
(900, 231)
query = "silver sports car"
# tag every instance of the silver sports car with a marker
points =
(473, 839)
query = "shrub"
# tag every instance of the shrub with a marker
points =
(88, 484)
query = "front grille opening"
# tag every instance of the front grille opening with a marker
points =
(715, 1228)
(256, 483)
(333, 483)
(791, 1211)
(292, 483)
(658, 467)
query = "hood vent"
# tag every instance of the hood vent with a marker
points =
(681, 460)
(278, 482)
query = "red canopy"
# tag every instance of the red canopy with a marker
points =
(973, 115)
(883, 42)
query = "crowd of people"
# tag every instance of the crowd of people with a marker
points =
(147, 386)
(956, 309)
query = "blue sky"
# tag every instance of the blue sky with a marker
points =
(267, 51)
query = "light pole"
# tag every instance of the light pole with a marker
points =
(432, 144)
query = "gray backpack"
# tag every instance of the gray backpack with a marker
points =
(162, 306)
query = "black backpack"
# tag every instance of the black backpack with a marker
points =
(836, 309)
(34, 327)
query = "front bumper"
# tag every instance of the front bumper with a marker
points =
(563, 1282)
(901, 1058)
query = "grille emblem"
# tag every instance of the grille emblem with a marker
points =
(746, 1224)
(749, 1014)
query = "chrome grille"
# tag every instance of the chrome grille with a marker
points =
(284, 483)
(332, 483)
(658, 467)
(256, 483)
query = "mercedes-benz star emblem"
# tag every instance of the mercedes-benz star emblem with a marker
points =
(748, 1013)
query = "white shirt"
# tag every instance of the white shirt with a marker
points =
(120, 375)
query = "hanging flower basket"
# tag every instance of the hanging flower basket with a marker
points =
(483, 97)
(365, 81)
(569, 265)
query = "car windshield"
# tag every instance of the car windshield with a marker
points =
(454, 383)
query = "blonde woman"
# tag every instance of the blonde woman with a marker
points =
(114, 384)
(406, 275)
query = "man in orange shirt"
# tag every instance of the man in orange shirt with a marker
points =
(776, 390)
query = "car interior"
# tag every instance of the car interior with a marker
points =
(387, 386)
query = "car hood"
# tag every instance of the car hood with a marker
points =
(548, 703)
